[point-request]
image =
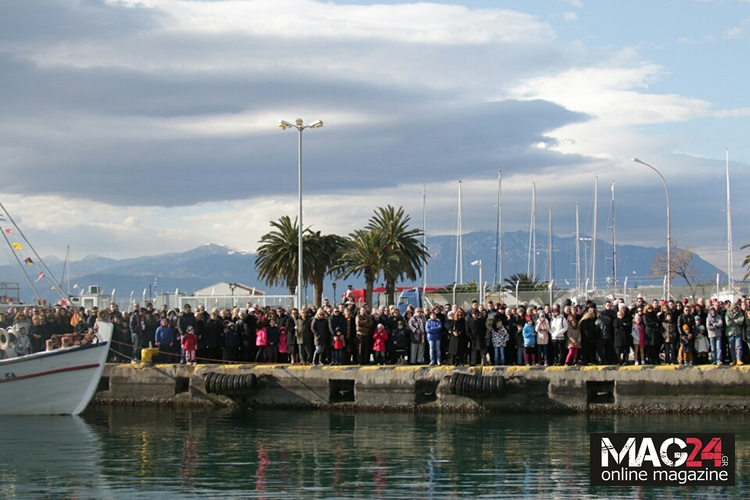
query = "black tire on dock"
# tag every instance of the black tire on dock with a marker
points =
(225, 385)
(207, 382)
(237, 384)
(486, 387)
(217, 383)
(463, 385)
(454, 379)
(251, 382)
(473, 386)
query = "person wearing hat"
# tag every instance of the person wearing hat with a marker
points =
(164, 340)
(189, 344)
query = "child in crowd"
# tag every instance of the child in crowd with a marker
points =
(338, 347)
(400, 343)
(283, 345)
(273, 337)
(529, 341)
(639, 340)
(687, 345)
(574, 340)
(542, 338)
(500, 339)
(379, 338)
(669, 332)
(701, 341)
(261, 341)
(23, 344)
(189, 343)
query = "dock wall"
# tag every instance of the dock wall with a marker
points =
(666, 388)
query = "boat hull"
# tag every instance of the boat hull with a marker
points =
(59, 382)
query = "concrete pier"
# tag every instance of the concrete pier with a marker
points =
(667, 388)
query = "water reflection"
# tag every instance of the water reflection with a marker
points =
(276, 454)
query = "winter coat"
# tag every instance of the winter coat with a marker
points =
(434, 330)
(714, 324)
(622, 333)
(364, 324)
(189, 342)
(164, 336)
(321, 335)
(542, 330)
(417, 328)
(652, 328)
(529, 336)
(574, 336)
(735, 322)
(261, 337)
(378, 340)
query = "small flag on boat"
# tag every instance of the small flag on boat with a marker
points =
(76, 318)
(28, 261)
(9, 231)
(2, 219)
(17, 246)
(41, 275)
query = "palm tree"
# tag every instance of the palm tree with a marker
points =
(324, 251)
(276, 263)
(362, 254)
(525, 282)
(405, 253)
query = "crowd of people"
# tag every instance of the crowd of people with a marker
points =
(654, 332)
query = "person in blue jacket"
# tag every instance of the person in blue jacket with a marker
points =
(434, 330)
(529, 341)
(164, 340)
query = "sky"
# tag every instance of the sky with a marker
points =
(141, 127)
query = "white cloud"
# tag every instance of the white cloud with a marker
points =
(570, 16)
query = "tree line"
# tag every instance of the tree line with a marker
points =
(386, 247)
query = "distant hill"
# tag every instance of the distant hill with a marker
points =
(202, 266)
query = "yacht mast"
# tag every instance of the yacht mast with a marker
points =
(499, 234)
(424, 237)
(459, 275)
(614, 243)
(730, 256)
(578, 254)
(593, 246)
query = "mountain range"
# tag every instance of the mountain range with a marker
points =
(211, 263)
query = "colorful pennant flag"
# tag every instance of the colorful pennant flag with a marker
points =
(9, 231)
(41, 275)
(30, 262)
(16, 245)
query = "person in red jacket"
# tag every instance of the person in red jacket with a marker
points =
(189, 344)
(379, 339)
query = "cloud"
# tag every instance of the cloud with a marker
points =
(132, 125)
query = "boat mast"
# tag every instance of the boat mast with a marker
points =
(499, 233)
(533, 222)
(424, 238)
(593, 246)
(459, 275)
(551, 274)
(578, 254)
(730, 256)
(614, 243)
(66, 270)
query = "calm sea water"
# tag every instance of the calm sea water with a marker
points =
(144, 452)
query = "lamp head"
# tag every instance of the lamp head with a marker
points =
(299, 122)
(283, 125)
(316, 124)
(476, 263)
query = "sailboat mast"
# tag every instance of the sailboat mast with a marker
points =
(499, 234)
(459, 275)
(578, 254)
(533, 222)
(424, 237)
(730, 256)
(614, 243)
(551, 277)
(593, 246)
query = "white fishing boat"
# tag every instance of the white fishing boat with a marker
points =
(56, 382)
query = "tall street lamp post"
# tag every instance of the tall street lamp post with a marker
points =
(669, 229)
(300, 126)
